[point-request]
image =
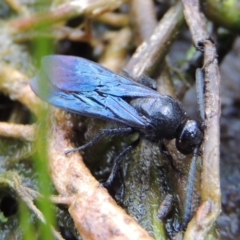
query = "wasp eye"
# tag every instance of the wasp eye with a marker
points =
(189, 136)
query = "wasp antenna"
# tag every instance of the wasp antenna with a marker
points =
(190, 189)
(200, 92)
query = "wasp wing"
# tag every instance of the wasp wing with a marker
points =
(86, 88)
(76, 74)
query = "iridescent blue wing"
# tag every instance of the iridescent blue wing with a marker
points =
(84, 87)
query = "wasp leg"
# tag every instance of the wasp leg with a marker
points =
(143, 79)
(166, 153)
(102, 134)
(117, 163)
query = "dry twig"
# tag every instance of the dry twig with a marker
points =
(210, 185)
(96, 215)
(151, 53)
(20, 131)
(64, 12)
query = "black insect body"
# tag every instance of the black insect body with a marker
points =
(84, 87)
(163, 115)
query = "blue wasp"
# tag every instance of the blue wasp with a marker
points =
(81, 86)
